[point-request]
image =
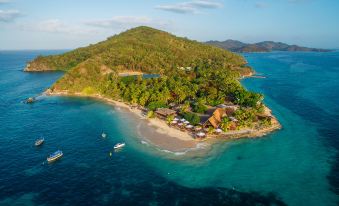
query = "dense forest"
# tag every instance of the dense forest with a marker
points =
(197, 89)
(190, 74)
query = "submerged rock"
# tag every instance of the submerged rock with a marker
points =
(30, 100)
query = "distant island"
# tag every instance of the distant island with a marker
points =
(192, 87)
(265, 46)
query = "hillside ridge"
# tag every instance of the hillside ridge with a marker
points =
(264, 46)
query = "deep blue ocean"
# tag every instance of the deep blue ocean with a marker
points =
(298, 165)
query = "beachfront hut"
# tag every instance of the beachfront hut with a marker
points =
(163, 113)
(216, 118)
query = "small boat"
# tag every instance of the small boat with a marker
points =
(56, 155)
(103, 135)
(39, 142)
(119, 145)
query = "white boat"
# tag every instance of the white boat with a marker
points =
(56, 155)
(39, 142)
(104, 135)
(119, 145)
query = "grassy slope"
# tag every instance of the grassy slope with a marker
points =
(140, 49)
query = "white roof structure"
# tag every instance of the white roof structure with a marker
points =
(201, 134)
(189, 126)
(233, 119)
(218, 130)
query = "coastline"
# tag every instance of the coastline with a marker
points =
(151, 131)
(159, 134)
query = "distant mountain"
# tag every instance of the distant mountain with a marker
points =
(265, 46)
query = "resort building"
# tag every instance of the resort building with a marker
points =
(225, 106)
(216, 118)
(163, 113)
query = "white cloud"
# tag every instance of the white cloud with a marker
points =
(261, 5)
(122, 22)
(8, 15)
(190, 7)
(205, 4)
(56, 26)
(298, 1)
(94, 27)
(177, 9)
(4, 1)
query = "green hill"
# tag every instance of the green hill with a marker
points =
(141, 49)
(189, 71)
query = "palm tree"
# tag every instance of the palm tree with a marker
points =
(169, 119)
(225, 124)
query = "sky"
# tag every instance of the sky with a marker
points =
(68, 24)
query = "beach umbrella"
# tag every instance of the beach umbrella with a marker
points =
(189, 126)
(175, 119)
(182, 120)
(218, 130)
(197, 128)
(186, 122)
(174, 122)
(201, 134)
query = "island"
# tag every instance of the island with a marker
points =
(185, 87)
(265, 46)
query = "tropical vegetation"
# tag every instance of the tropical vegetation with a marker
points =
(191, 74)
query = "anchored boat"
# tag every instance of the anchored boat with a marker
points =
(39, 142)
(104, 135)
(119, 145)
(55, 156)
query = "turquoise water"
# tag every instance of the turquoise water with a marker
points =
(297, 165)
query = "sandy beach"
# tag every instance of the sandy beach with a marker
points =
(154, 131)
(159, 134)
